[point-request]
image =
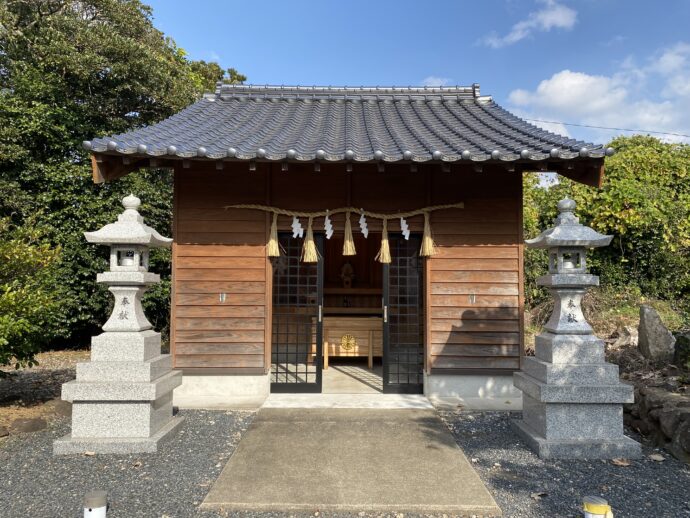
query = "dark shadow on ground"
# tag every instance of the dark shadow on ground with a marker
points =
(33, 387)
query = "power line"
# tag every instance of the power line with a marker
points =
(607, 128)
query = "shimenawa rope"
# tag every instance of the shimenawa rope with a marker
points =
(310, 253)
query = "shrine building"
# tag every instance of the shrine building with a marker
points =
(337, 240)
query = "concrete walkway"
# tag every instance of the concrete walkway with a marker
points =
(350, 460)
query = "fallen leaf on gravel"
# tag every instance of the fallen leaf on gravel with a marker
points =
(620, 462)
(89, 453)
(136, 464)
(657, 457)
(538, 495)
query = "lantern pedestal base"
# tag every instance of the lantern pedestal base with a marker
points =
(573, 411)
(122, 398)
(622, 447)
(68, 445)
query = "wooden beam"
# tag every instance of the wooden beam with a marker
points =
(106, 168)
(589, 173)
(268, 302)
(521, 274)
(109, 168)
(173, 284)
(96, 172)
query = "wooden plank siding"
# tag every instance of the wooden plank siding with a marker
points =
(219, 251)
(474, 288)
(475, 277)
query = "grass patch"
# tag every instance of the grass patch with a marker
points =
(607, 310)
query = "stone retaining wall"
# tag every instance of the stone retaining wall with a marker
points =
(663, 417)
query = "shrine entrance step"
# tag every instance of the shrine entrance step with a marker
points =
(350, 460)
(348, 401)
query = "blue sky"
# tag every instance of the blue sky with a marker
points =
(620, 63)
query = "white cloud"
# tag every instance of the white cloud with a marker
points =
(551, 16)
(436, 81)
(572, 93)
(673, 59)
(654, 96)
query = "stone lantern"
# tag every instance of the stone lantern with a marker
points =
(572, 399)
(122, 398)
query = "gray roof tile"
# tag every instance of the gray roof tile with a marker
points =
(334, 124)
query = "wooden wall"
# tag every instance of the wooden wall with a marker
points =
(219, 251)
(474, 284)
(475, 280)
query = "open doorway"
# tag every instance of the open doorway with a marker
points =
(353, 317)
(348, 324)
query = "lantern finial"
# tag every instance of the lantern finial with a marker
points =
(131, 202)
(566, 205)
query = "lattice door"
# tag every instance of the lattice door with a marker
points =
(296, 346)
(403, 333)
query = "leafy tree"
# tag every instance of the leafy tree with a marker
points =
(70, 71)
(535, 261)
(645, 204)
(211, 73)
(28, 298)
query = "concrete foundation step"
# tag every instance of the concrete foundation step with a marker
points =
(382, 401)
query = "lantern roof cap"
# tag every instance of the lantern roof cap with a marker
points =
(129, 229)
(568, 231)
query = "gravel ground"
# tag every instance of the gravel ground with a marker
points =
(170, 483)
(526, 486)
(173, 482)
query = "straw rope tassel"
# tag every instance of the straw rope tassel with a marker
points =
(384, 255)
(348, 244)
(272, 248)
(428, 246)
(309, 253)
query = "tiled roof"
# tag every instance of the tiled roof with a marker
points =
(333, 124)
